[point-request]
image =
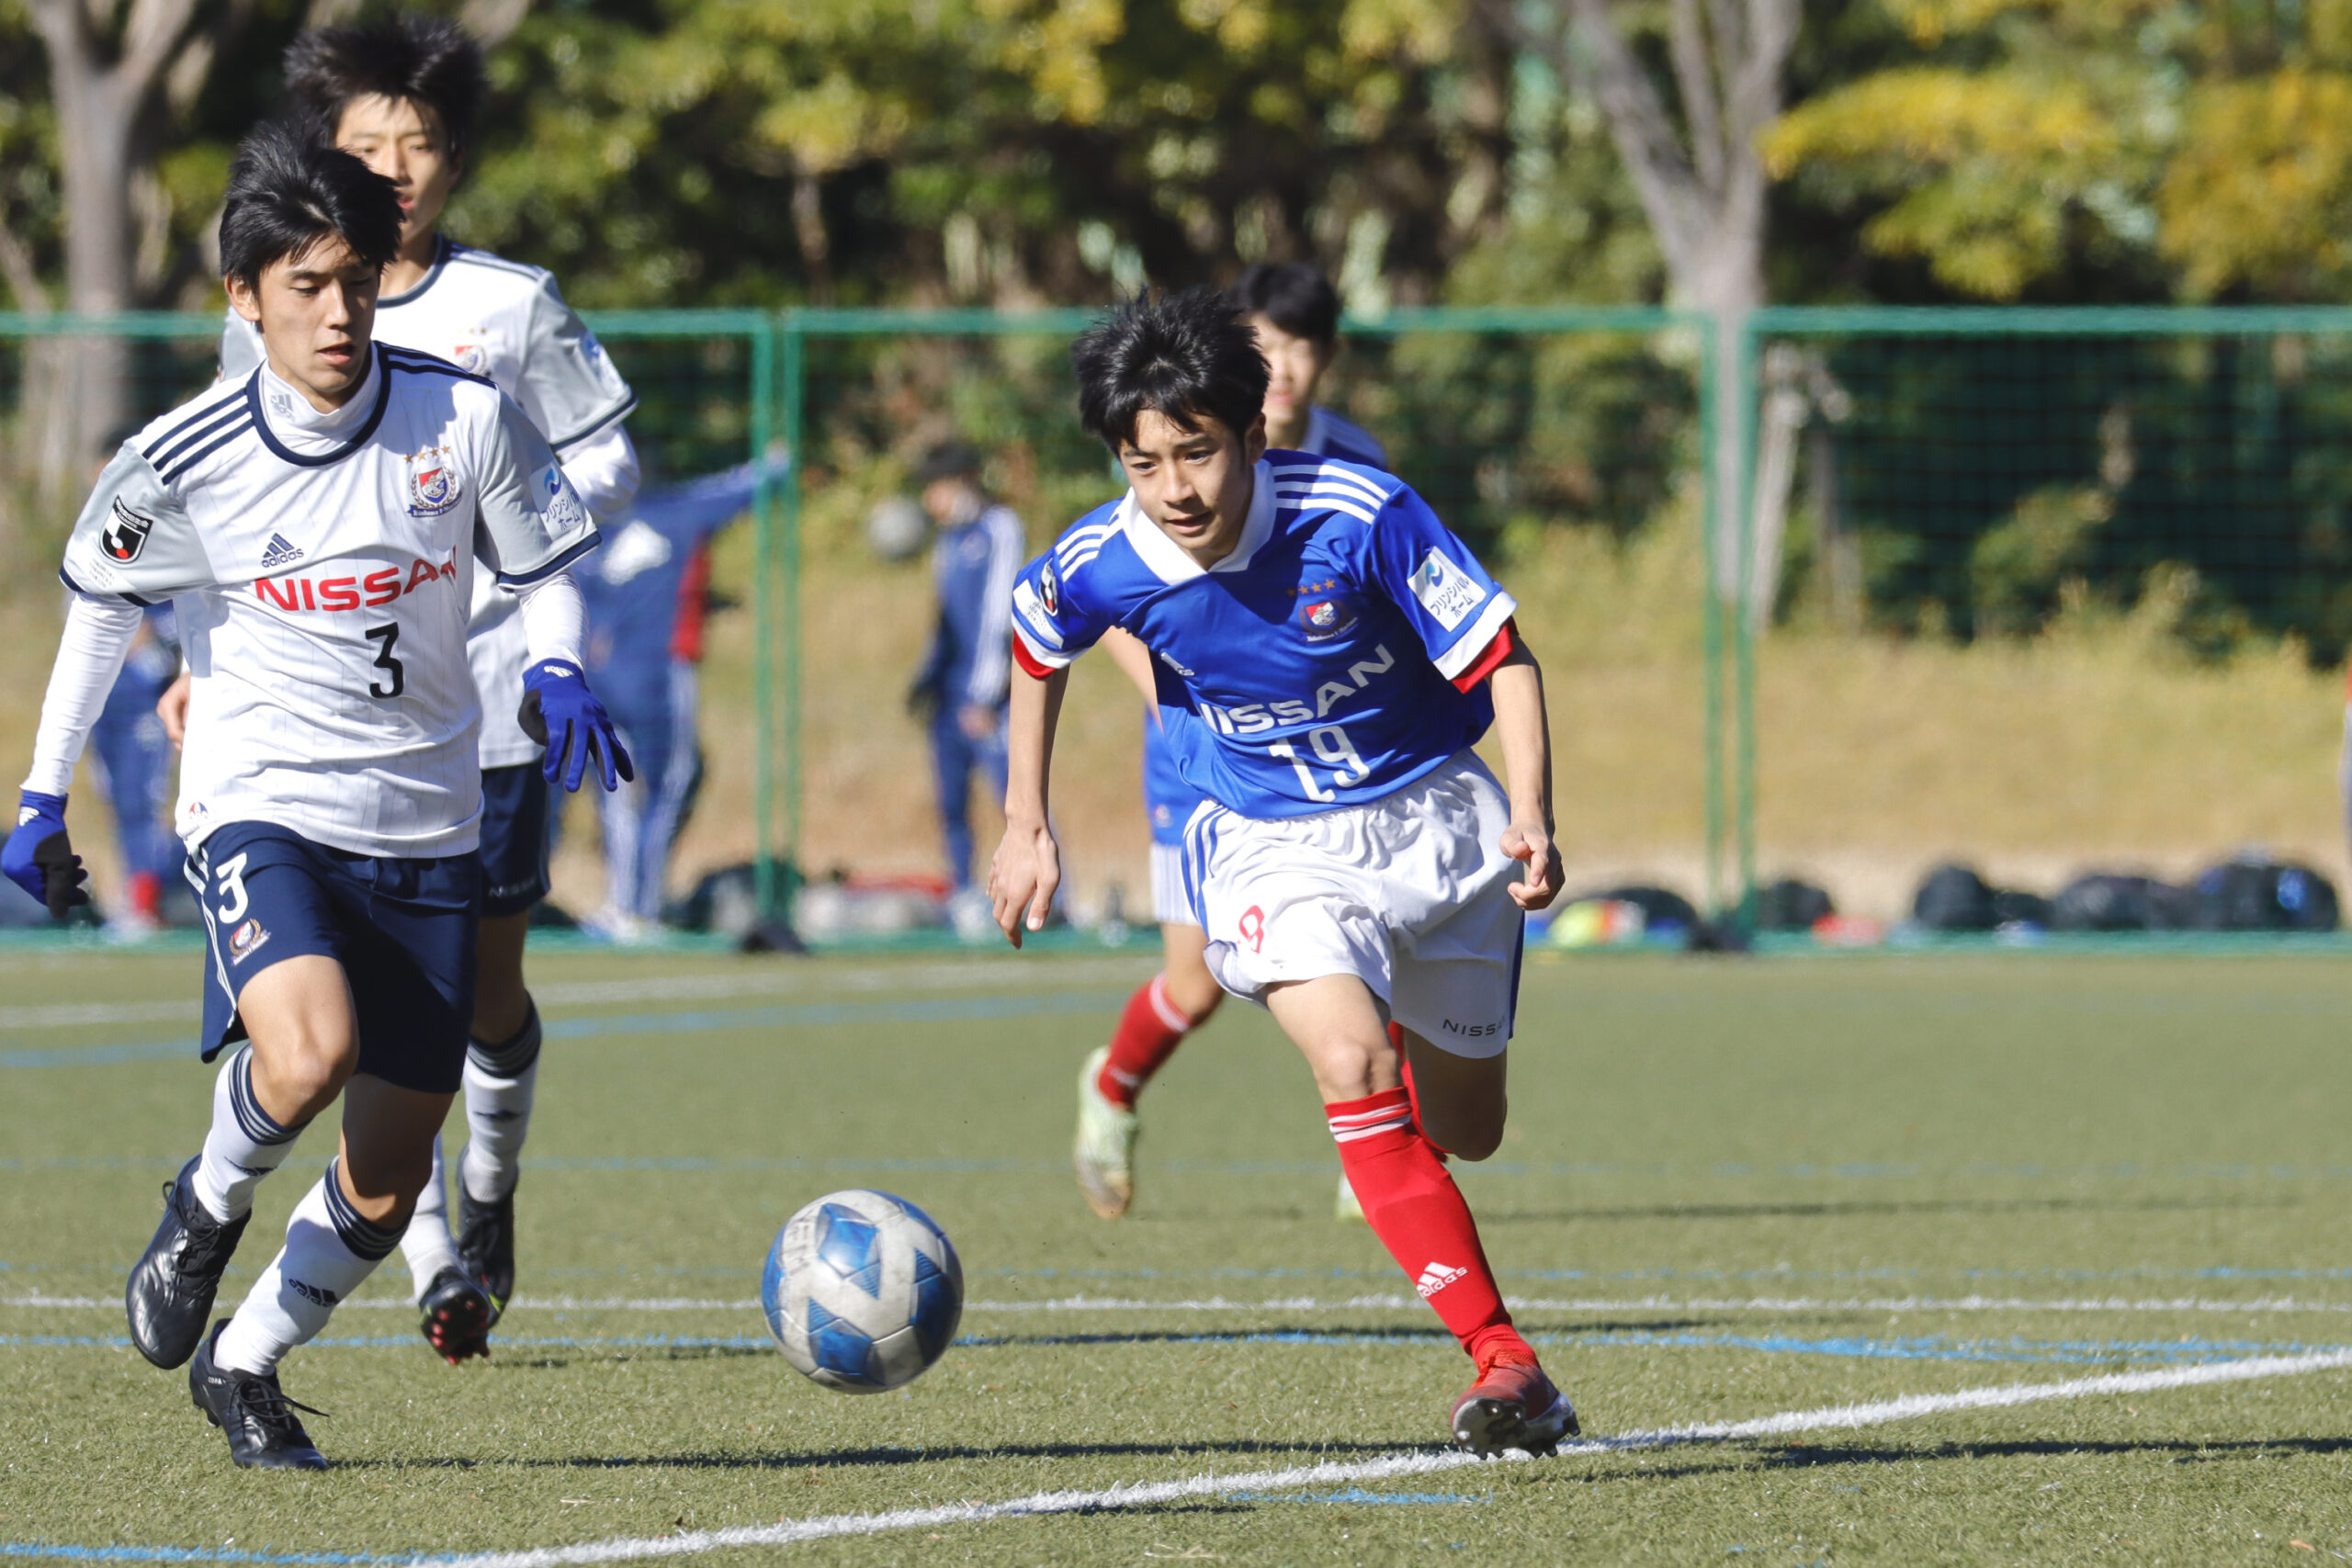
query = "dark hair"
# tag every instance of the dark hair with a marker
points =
(1298, 298)
(1183, 356)
(426, 60)
(286, 192)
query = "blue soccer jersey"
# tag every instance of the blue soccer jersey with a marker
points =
(1321, 658)
(1167, 800)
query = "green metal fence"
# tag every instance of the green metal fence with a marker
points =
(1901, 476)
(2009, 479)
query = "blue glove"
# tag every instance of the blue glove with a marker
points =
(40, 858)
(561, 713)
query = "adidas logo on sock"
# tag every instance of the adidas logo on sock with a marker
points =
(1436, 1278)
(279, 553)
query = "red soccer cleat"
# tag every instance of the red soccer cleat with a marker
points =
(1512, 1405)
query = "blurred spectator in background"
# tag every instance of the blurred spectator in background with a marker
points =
(648, 593)
(960, 689)
(134, 758)
(1296, 313)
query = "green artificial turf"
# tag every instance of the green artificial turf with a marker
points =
(1730, 1189)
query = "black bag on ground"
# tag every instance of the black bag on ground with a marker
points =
(2107, 902)
(2262, 895)
(1954, 898)
(2013, 908)
(1790, 904)
(1660, 906)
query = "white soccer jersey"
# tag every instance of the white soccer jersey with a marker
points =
(321, 566)
(508, 321)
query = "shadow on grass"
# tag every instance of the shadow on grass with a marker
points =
(1748, 1459)
(849, 1458)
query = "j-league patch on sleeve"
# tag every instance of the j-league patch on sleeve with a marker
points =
(1446, 590)
(1034, 616)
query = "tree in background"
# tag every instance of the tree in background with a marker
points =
(2084, 149)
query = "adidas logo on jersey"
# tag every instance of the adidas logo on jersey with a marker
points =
(279, 553)
(1436, 1278)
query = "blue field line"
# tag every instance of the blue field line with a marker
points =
(1920, 1348)
(192, 1554)
(806, 1015)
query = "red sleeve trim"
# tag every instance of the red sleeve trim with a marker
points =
(1028, 663)
(1483, 665)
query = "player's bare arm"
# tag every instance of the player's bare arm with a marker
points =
(1523, 731)
(1027, 869)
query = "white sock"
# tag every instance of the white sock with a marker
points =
(330, 1251)
(500, 1080)
(244, 1144)
(428, 1244)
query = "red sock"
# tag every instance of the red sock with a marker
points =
(1149, 1031)
(1412, 1204)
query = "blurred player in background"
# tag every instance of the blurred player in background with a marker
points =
(1354, 863)
(402, 94)
(1296, 314)
(960, 689)
(648, 593)
(134, 758)
(317, 524)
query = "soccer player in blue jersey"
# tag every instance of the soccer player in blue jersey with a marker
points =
(1296, 314)
(1355, 861)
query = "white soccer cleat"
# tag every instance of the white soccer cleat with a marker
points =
(1345, 1208)
(1105, 1152)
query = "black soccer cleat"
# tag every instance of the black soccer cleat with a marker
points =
(456, 1316)
(264, 1432)
(169, 1296)
(486, 1247)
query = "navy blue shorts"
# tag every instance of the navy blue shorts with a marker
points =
(514, 838)
(403, 930)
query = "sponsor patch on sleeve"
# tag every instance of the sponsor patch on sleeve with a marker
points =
(1446, 590)
(559, 503)
(1032, 611)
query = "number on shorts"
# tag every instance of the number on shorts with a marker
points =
(389, 635)
(231, 876)
(1331, 745)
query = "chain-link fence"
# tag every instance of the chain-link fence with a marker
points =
(2050, 592)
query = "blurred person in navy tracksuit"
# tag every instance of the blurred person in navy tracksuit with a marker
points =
(962, 684)
(647, 591)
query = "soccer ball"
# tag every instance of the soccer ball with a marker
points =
(861, 1290)
(897, 527)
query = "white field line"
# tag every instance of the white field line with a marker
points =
(1147, 1495)
(64, 1015)
(1773, 1304)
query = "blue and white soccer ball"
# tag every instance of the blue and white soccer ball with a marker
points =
(861, 1290)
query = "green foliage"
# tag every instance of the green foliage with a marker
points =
(2024, 142)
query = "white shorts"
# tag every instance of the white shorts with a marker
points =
(1169, 906)
(1409, 893)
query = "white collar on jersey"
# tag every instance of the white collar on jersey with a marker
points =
(292, 419)
(1166, 559)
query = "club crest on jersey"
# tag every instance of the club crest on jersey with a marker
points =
(1323, 619)
(471, 357)
(127, 535)
(1049, 590)
(433, 483)
(246, 941)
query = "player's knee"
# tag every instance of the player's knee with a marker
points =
(1469, 1130)
(299, 1069)
(1194, 991)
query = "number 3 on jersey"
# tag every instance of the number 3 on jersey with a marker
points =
(1331, 744)
(389, 635)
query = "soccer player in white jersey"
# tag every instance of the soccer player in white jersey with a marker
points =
(1354, 863)
(1295, 313)
(402, 94)
(317, 524)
